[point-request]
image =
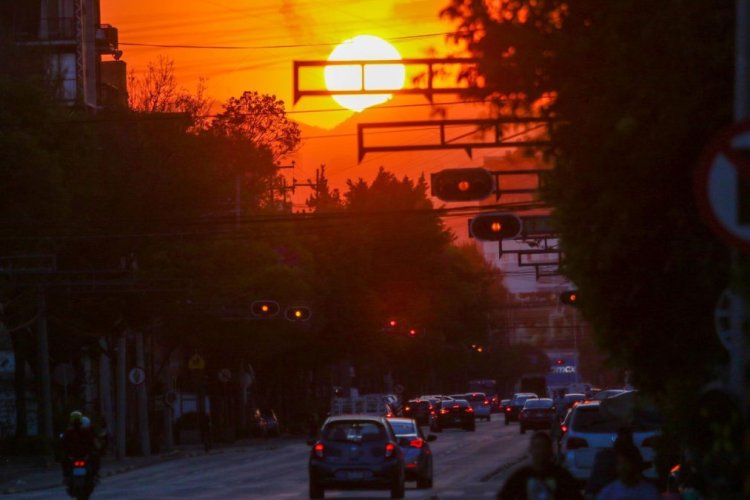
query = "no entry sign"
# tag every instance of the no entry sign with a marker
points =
(722, 185)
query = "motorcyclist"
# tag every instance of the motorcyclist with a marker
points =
(77, 443)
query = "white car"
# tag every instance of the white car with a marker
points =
(481, 403)
(587, 430)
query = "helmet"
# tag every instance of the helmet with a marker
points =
(76, 418)
(85, 422)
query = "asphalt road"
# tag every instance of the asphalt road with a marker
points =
(468, 465)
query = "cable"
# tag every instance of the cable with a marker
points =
(276, 46)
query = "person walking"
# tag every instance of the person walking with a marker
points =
(542, 479)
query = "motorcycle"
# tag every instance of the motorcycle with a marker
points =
(81, 479)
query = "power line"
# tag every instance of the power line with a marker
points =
(274, 46)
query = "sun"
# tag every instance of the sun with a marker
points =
(376, 76)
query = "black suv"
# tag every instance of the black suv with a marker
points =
(356, 452)
(419, 410)
(452, 413)
(516, 405)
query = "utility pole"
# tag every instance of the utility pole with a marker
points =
(168, 432)
(142, 395)
(739, 369)
(105, 386)
(45, 385)
(122, 396)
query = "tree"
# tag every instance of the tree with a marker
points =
(157, 91)
(638, 88)
(261, 120)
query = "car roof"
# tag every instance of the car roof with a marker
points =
(364, 418)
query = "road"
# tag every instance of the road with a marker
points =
(467, 465)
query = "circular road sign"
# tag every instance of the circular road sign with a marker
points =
(136, 376)
(722, 185)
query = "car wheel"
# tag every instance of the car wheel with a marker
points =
(523, 429)
(398, 488)
(317, 491)
(489, 418)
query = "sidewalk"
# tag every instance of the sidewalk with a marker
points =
(21, 474)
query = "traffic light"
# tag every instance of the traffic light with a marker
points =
(298, 313)
(494, 227)
(264, 308)
(559, 361)
(570, 297)
(463, 184)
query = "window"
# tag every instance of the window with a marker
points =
(538, 403)
(354, 430)
(590, 419)
(403, 428)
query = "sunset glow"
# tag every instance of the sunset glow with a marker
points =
(376, 77)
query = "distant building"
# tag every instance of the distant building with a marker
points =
(69, 38)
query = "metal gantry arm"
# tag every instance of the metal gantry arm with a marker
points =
(498, 139)
(429, 65)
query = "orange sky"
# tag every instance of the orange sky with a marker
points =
(314, 27)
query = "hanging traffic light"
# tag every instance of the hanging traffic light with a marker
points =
(264, 308)
(298, 313)
(570, 297)
(462, 184)
(495, 227)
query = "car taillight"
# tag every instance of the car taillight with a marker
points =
(79, 463)
(456, 406)
(486, 402)
(443, 411)
(650, 442)
(507, 408)
(575, 443)
(390, 448)
(469, 409)
(408, 408)
(564, 428)
(416, 443)
(318, 449)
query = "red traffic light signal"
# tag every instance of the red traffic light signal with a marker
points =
(298, 313)
(264, 308)
(462, 184)
(559, 362)
(495, 227)
(571, 297)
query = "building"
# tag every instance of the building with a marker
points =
(70, 41)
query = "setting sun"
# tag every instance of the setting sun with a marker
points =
(376, 77)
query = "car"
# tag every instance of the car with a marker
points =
(502, 405)
(608, 393)
(355, 452)
(481, 404)
(416, 448)
(516, 404)
(456, 413)
(419, 410)
(536, 414)
(565, 403)
(586, 430)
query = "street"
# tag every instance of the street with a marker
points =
(467, 465)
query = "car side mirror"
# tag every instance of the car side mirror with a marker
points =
(310, 442)
(431, 438)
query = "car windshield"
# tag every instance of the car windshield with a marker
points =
(354, 430)
(403, 428)
(538, 403)
(462, 403)
(521, 400)
(592, 420)
(413, 405)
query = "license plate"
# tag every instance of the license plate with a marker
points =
(456, 419)
(355, 476)
(79, 471)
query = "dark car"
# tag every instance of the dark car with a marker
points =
(419, 410)
(416, 448)
(356, 452)
(537, 414)
(515, 406)
(453, 413)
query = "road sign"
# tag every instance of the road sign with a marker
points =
(196, 362)
(225, 375)
(722, 185)
(136, 376)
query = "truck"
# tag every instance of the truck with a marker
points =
(533, 382)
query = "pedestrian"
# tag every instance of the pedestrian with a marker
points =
(630, 482)
(542, 479)
(604, 470)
